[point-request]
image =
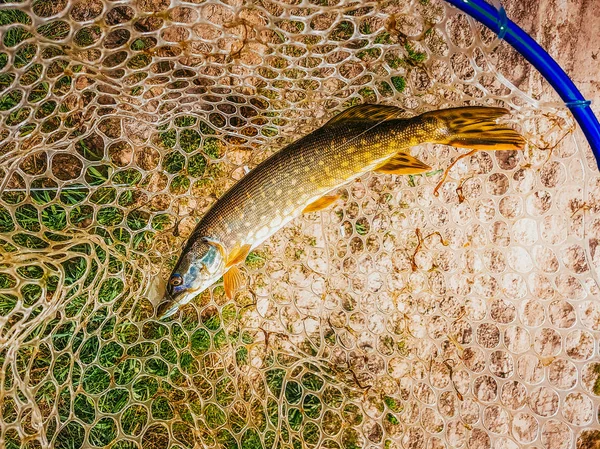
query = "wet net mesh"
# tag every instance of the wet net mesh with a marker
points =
(453, 309)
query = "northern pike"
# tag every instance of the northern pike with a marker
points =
(303, 177)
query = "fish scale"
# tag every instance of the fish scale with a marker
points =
(299, 178)
(303, 171)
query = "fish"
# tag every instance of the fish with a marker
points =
(303, 177)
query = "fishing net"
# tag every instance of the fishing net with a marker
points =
(453, 309)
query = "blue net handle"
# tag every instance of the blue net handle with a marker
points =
(496, 20)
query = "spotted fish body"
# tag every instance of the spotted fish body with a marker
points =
(279, 189)
(362, 139)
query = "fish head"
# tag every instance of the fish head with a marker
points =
(200, 266)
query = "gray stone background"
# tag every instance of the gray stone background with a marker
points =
(570, 31)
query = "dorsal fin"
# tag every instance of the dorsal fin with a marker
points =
(366, 112)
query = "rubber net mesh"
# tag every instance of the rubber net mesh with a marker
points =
(453, 309)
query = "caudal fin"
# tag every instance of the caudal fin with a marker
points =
(475, 127)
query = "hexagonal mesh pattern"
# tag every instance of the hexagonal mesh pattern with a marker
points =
(454, 309)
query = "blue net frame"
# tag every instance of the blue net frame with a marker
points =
(495, 19)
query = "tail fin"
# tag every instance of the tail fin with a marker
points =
(475, 127)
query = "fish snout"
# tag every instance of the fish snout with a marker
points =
(168, 305)
(166, 309)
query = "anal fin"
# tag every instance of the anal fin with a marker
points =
(321, 203)
(232, 279)
(403, 164)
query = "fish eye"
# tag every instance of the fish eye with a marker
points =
(176, 280)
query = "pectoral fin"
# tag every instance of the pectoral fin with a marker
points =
(403, 164)
(232, 279)
(237, 255)
(321, 203)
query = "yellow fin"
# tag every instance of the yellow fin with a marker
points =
(232, 279)
(474, 127)
(403, 164)
(367, 112)
(321, 203)
(237, 255)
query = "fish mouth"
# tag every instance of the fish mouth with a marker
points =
(171, 303)
(167, 307)
(165, 310)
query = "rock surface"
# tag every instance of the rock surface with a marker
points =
(569, 31)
